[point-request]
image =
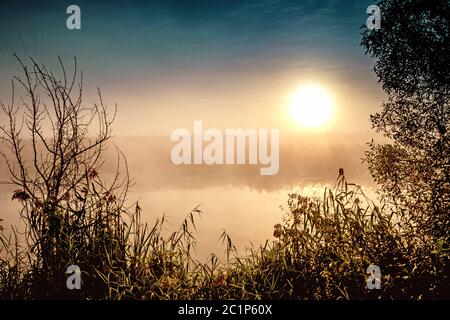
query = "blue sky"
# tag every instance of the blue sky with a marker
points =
(214, 45)
(188, 32)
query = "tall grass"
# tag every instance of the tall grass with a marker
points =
(320, 250)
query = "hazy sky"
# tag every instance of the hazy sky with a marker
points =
(228, 63)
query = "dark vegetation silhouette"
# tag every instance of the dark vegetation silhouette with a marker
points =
(52, 144)
(412, 52)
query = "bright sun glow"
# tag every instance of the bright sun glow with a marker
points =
(311, 106)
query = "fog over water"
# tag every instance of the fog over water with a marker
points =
(235, 198)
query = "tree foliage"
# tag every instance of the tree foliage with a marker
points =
(412, 62)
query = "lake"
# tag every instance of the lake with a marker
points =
(234, 198)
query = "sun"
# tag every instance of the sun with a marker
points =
(311, 106)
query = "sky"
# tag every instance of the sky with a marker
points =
(227, 63)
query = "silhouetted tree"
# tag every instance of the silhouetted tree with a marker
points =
(52, 144)
(412, 54)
